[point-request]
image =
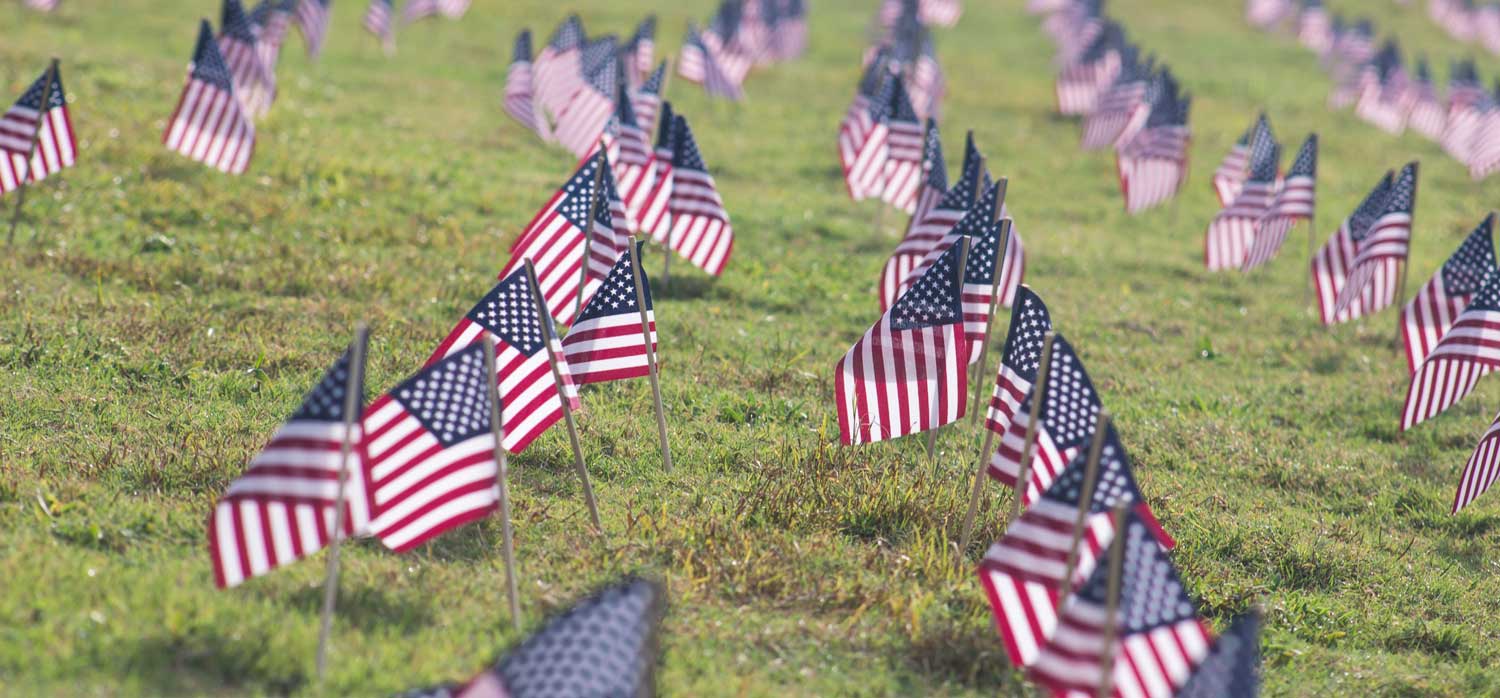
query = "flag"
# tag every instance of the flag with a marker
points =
(864, 145)
(1023, 572)
(1295, 201)
(791, 39)
(520, 90)
(282, 508)
(1232, 667)
(50, 129)
(208, 125)
(1313, 29)
(908, 372)
(271, 20)
(417, 10)
(857, 124)
(700, 230)
(377, 21)
(254, 84)
(1484, 146)
(430, 451)
(1481, 470)
(1029, 323)
(312, 19)
(923, 235)
(1232, 169)
(698, 64)
(43, 5)
(1467, 352)
(1153, 164)
(640, 51)
(1467, 103)
(1231, 232)
(605, 343)
(557, 68)
(911, 251)
(556, 238)
(1373, 277)
(1158, 637)
(1384, 103)
(1070, 407)
(648, 202)
(584, 116)
(530, 398)
(1330, 265)
(903, 165)
(1427, 116)
(1079, 85)
(646, 99)
(1429, 315)
(629, 149)
(925, 82)
(1102, 127)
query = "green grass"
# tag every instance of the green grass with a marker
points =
(158, 321)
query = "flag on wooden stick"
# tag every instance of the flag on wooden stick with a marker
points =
(36, 134)
(1428, 317)
(209, 124)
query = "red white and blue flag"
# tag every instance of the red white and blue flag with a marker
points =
(209, 125)
(1296, 201)
(1232, 231)
(605, 343)
(1443, 298)
(1330, 265)
(1467, 352)
(48, 127)
(1070, 409)
(701, 231)
(1374, 274)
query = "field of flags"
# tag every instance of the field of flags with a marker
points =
(1057, 526)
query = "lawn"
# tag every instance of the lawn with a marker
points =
(158, 320)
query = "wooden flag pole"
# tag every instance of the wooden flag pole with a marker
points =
(353, 404)
(996, 291)
(976, 492)
(36, 135)
(1038, 394)
(651, 366)
(545, 319)
(502, 480)
(1085, 500)
(588, 229)
(666, 266)
(1312, 247)
(1112, 606)
(963, 263)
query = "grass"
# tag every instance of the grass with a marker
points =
(159, 320)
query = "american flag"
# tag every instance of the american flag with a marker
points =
(584, 116)
(791, 36)
(1385, 102)
(1023, 572)
(1313, 28)
(629, 149)
(556, 238)
(1103, 126)
(558, 70)
(925, 234)
(911, 251)
(908, 373)
(903, 165)
(1070, 407)
(377, 21)
(520, 90)
(1427, 116)
(605, 343)
(1484, 146)
(42, 5)
(19, 126)
(925, 81)
(1380, 254)
(1487, 27)
(1467, 102)
(1079, 85)
(209, 126)
(648, 204)
(282, 508)
(1029, 324)
(646, 99)
(271, 20)
(640, 51)
(723, 42)
(1158, 638)
(700, 230)
(1481, 470)
(531, 399)
(862, 134)
(254, 83)
(311, 17)
(430, 452)
(697, 63)
(1232, 667)
(1231, 232)
(1429, 315)
(1230, 175)
(1330, 266)
(1352, 48)
(417, 10)
(1296, 201)
(1153, 164)
(1467, 352)
(1265, 14)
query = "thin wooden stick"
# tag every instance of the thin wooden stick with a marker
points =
(963, 263)
(1416, 171)
(1038, 395)
(502, 480)
(545, 319)
(1312, 248)
(1085, 502)
(36, 135)
(976, 492)
(353, 402)
(1112, 606)
(651, 367)
(989, 322)
(588, 229)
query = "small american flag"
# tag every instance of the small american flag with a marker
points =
(271, 20)
(1232, 667)
(282, 508)
(1313, 29)
(863, 137)
(584, 116)
(1380, 254)
(1153, 164)
(1232, 231)
(1296, 201)
(924, 234)
(558, 67)
(1487, 27)
(911, 251)
(628, 147)
(697, 60)
(1230, 175)
(1103, 126)
(51, 128)
(1466, 104)
(1467, 352)
(1481, 470)
(1428, 116)
(312, 19)
(856, 123)
(648, 204)
(1079, 85)
(640, 51)
(791, 36)
(418, 10)
(903, 165)
(531, 399)
(1331, 264)
(605, 343)
(1023, 572)
(1029, 323)
(1070, 408)
(1484, 147)
(1440, 301)
(520, 91)
(1158, 637)
(646, 99)
(431, 453)
(556, 238)
(378, 21)
(209, 125)
(908, 373)
(701, 231)
(1383, 103)
(254, 83)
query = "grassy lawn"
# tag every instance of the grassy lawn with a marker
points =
(158, 320)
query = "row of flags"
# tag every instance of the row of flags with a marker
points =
(1127, 101)
(1260, 203)
(380, 16)
(1468, 22)
(742, 35)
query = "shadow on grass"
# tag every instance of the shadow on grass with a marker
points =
(204, 662)
(686, 283)
(968, 657)
(370, 608)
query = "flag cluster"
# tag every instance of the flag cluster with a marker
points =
(1261, 204)
(742, 35)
